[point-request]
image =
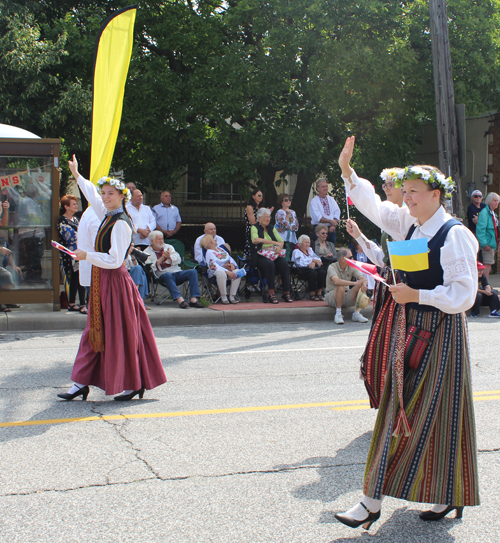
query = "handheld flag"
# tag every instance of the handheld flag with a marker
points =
(349, 201)
(411, 255)
(111, 62)
(364, 267)
(63, 249)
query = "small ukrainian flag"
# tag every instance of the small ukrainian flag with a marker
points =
(410, 256)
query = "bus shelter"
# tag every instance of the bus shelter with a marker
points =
(29, 194)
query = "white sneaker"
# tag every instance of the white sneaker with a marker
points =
(357, 317)
(339, 319)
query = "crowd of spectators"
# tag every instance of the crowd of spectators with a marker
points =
(275, 250)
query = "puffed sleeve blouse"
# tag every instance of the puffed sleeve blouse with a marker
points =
(120, 235)
(458, 254)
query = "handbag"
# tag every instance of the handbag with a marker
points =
(417, 341)
(270, 254)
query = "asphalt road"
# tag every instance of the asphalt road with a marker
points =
(260, 435)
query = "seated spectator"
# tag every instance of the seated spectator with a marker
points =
(165, 260)
(269, 255)
(287, 223)
(322, 247)
(345, 287)
(485, 295)
(210, 230)
(6, 282)
(309, 267)
(168, 218)
(144, 220)
(67, 225)
(138, 274)
(221, 265)
(359, 255)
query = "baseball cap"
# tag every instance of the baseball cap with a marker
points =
(475, 193)
(481, 266)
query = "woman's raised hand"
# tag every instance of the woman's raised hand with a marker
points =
(346, 155)
(73, 166)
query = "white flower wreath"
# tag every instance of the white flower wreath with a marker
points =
(119, 185)
(432, 177)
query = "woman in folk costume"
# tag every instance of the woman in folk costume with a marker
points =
(423, 447)
(118, 350)
(374, 359)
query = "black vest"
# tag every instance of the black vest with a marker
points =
(103, 238)
(254, 247)
(432, 277)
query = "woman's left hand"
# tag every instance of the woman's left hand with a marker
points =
(353, 228)
(80, 255)
(403, 294)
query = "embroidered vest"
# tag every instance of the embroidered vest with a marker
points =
(103, 238)
(431, 278)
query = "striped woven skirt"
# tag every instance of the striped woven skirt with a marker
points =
(374, 359)
(437, 461)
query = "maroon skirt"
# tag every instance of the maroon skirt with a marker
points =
(130, 359)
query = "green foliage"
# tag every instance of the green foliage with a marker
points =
(239, 90)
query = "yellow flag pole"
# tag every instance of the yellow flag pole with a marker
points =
(111, 63)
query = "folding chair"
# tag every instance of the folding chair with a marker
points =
(296, 283)
(254, 280)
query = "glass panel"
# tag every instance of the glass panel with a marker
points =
(25, 224)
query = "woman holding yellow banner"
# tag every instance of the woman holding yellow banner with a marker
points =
(118, 350)
(424, 442)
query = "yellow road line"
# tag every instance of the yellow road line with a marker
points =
(344, 405)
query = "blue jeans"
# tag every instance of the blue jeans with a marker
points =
(140, 280)
(171, 280)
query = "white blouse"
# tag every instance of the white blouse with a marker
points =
(216, 259)
(458, 254)
(302, 260)
(120, 235)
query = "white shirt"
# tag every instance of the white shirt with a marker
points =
(87, 231)
(166, 217)
(317, 210)
(216, 260)
(458, 254)
(301, 260)
(120, 235)
(143, 218)
(171, 264)
(198, 250)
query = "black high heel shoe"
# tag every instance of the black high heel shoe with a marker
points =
(431, 515)
(366, 523)
(83, 392)
(127, 397)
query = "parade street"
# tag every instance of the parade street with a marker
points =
(260, 435)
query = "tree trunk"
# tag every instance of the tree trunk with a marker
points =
(267, 174)
(301, 194)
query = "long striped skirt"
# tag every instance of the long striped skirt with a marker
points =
(376, 355)
(437, 461)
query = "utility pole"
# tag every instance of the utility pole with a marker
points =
(445, 99)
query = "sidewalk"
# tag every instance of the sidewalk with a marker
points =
(40, 317)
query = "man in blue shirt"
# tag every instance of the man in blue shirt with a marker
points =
(168, 219)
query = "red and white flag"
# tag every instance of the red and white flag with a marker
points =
(364, 267)
(63, 249)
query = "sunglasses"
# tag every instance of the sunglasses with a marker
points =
(477, 196)
(287, 199)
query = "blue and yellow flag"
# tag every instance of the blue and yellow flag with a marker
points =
(410, 256)
(112, 59)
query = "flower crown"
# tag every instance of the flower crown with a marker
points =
(433, 177)
(389, 175)
(119, 185)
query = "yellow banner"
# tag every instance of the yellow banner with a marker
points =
(112, 60)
